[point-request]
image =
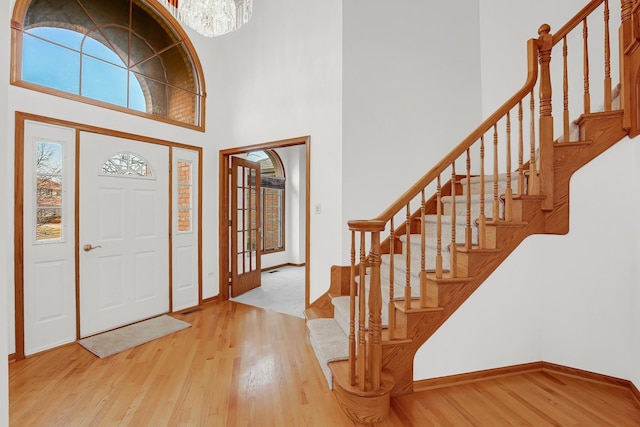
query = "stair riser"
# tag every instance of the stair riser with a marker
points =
(439, 295)
(400, 276)
(461, 207)
(488, 185)
(342, 316)
(446, 233)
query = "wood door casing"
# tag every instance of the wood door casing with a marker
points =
(245, 226)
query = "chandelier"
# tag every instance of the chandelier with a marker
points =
(210, 17)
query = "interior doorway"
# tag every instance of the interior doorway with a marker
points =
(295, 246)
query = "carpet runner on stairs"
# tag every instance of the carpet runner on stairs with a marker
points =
(329, 336)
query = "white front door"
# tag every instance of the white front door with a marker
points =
(123, 232)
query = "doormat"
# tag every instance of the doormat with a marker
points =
(112, 342)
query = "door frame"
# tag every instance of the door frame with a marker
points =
(224, 263)
(20, 119)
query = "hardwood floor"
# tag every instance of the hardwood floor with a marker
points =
(243, 366)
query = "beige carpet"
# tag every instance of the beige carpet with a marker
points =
(282, 290)
(112, 342)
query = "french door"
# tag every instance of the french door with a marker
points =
(245, 226)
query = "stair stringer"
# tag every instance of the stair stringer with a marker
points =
(339, 286)
(420, 324)
(598, 132)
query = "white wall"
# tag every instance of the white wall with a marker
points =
(411, 91)
(571, 300)
(280, 77)
(298, 210)
(589, 278)
(635, 298)
(295, 204)
(6, 233)
(505, 27)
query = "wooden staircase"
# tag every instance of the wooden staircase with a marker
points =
(448, 244)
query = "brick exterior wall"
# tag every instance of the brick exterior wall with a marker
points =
(184, 196)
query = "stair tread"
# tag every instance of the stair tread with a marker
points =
(475, 198)
(329, 343)
(528, 197)
(501, 223)
(487, 178)
(417, 310)
(317, 313)
(445, 279)
(476, 249)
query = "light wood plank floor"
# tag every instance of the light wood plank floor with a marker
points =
(244, 366)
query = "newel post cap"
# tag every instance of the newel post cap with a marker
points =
(367, 225)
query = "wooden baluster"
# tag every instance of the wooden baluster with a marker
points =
(453, 248)
(545, 43)
(607, 59)
(374, 352)
(407, 283)
(625, 10)
(468, 233)
(520, 150)
(508, 195)
(352, 313)
(439, 230)
(423, 249)
(362, 309)
(496, 202)
(482, 219)
(585, 48)
(392, 275)
(565, 89)
(534, 188)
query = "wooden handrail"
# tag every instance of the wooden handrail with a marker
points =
(532, 76)
(576, 20)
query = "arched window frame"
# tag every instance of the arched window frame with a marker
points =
(276, 161)
(19, 13)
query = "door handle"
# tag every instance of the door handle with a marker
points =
(88, 248)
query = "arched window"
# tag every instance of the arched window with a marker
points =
(272, 183)
(127, 55)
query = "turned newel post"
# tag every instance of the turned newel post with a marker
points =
(626, 37)
(545, 43)
(368, 362)
(375, 313)
(626, 24)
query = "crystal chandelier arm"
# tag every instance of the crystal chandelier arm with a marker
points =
(211, 17)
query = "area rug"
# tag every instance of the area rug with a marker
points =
(112, 342)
